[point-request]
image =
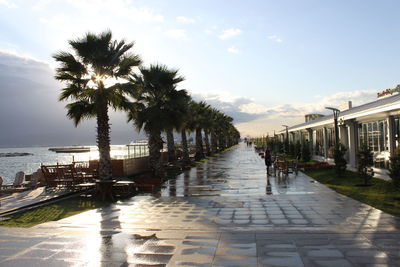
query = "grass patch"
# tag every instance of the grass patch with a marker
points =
(381, 194)
(201, 161)
(52, 212)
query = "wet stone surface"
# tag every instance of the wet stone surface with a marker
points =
(226, 212)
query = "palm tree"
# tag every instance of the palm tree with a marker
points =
(197, 121)
(177, 108)
(214, 119)
(224, 122)
(96, 74)
(187, 121)
(207, 125)
(155, 96)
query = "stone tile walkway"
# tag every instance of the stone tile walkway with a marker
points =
(218, 214)
(22, 199)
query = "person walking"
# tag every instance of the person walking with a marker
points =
(268, 159)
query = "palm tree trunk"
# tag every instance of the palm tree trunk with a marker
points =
(221, 142)
(185, 149)
(155, 146)
(214, 142)
(199, 145)
(171, 146)
(208, 151)
(103, 143)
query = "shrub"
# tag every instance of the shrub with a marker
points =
(365, 161)
(394, 168)
(291, 149)
(297, 150)
(305, 152)
(340, 161)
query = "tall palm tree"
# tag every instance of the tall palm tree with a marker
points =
(206, 125)
(155, 96)
(214, 119)
(187, 121)
(95, 75)
(197, 122)
(177, 107)
(224, 122)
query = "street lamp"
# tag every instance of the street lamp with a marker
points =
(335, 117)
(287, 139)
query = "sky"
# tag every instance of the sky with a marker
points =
(265, 63)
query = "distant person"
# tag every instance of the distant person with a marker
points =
(268, 159)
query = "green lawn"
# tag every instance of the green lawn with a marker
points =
(381, 194)
(52, 212)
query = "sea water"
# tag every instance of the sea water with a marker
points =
(9, 166)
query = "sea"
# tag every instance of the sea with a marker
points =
(9, 166)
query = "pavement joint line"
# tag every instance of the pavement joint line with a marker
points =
(339, 226)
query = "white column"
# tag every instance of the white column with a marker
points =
(391, 134)
(325, 142)
(353, 142)
(293, 134)
(310, 141)
(344, 138)
(301, 137)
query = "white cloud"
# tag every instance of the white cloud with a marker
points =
(253, 108)
(233, 50)
(89, 10)
(275, 38)
(254, 119)
(185, 19)
(229, 33)
(16, 54)
(8, 4)
(179, 34)
(210, 30)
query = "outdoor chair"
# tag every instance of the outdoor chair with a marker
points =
(293, 167)
(83, 172)
(16, 186)
(58, 175)
(19, 178)
(281, 167)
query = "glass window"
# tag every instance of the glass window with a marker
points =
(375, 135)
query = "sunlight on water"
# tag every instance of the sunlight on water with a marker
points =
(9, 166)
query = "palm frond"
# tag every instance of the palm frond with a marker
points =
(77, 111)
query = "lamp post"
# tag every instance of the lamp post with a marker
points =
(335, 119)
(287, 139)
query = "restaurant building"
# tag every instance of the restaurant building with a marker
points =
(376, 123)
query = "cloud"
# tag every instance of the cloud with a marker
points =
(31, 114)
(229, 33)
(8, 4)
(233, 50)
(93, 14)
(210, 30)
(275, 38)
(254, 119)
(229, 104)
(185, 19)
(179, 34)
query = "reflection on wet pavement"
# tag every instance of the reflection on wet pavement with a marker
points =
(226, 212)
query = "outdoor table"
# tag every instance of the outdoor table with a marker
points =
(104, 188)
(124, 188)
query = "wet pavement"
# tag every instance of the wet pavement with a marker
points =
(226, 212)
(19, 200)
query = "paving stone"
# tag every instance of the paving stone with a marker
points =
(324, 253)
(234, 261)
(282, 259)
(216, 214)
(333, 263)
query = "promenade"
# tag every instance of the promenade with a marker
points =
(224, 212)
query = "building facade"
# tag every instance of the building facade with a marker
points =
(376, 123)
